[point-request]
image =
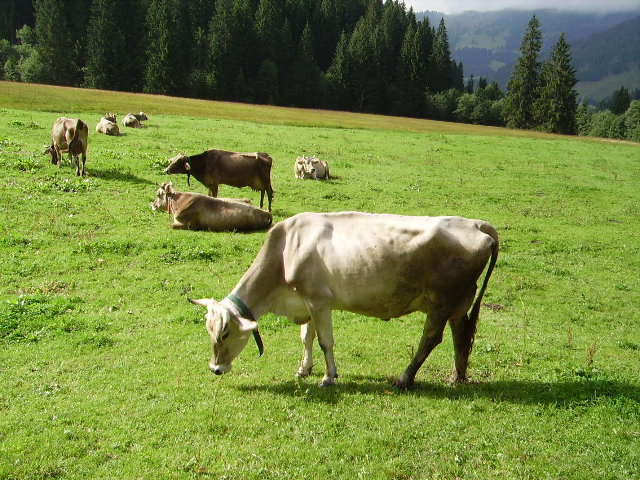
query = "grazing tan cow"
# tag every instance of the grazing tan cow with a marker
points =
(130, 120)
(108, 127)
(193, 211)
(213, 167)
(383, 266)
(311, 167)
(69, 135)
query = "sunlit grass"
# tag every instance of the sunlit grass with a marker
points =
(103, 362)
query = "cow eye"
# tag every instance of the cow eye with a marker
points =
(224, 336)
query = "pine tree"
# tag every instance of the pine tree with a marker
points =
(364, 78)
(339, 77)
(555, 108)
(106, 58)
(440, 61)
(305, 82)
(53, 43)
(525, 80)
(166, 34)
(620, 101)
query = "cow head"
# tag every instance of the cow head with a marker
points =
(111, 117)
(163, 194)
(305, 168)
(179, 164)
(54, 155)
(229, 334)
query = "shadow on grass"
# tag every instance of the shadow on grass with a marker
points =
(113, 174)
(562, 394)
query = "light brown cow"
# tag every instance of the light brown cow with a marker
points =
(107, 127)
(193, 211)
(213, 167)
(130, 120)
(377, 265)
(311, 167)
(69, 135)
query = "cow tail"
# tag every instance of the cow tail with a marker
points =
(76, 135)
(475, 310)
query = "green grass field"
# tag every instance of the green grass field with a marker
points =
(104, 364)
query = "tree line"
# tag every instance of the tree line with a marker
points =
(360, 55)
(356, 55)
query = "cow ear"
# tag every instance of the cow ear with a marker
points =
(187, 167)
(246, 325)
(203, 302)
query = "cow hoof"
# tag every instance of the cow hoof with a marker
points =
(302, 374)
(455, 380)
(326, 383)
(401, 384)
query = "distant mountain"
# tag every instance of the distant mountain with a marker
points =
(488, 43)
(610, 52)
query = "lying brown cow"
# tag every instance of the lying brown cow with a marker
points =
(214, 167)
(69, 135)
(107, 127)
(193, 211)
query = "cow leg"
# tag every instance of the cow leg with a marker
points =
(321, 317)
(431, 337)
(463, 332)
(213, 190)
(262, 199)
(269, 196)
(76, 162)
(307, 335)
(84, 164)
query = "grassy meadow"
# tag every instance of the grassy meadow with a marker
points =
(104, 364)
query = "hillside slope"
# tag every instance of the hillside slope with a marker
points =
(487, 43)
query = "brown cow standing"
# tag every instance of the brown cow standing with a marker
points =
(214, 167)
(69, 135)
(193, 211)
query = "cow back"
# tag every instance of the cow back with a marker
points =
(237, 169)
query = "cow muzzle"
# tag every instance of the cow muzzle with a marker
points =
(219, 369)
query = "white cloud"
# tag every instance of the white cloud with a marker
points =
(457, 6)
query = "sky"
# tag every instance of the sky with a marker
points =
(457, 6)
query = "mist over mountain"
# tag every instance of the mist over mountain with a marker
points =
(603, 45)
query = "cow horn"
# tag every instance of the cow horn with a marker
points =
(258, 338)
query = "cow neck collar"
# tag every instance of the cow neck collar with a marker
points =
(242, 308)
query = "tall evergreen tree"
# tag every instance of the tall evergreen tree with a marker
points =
(165, 65)
(525, 80)
(620, 101)
(106, 46)
(54, 42)
(364, 79)
(556, 106)
(339, 77)
(306, 77)
(440, 61)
